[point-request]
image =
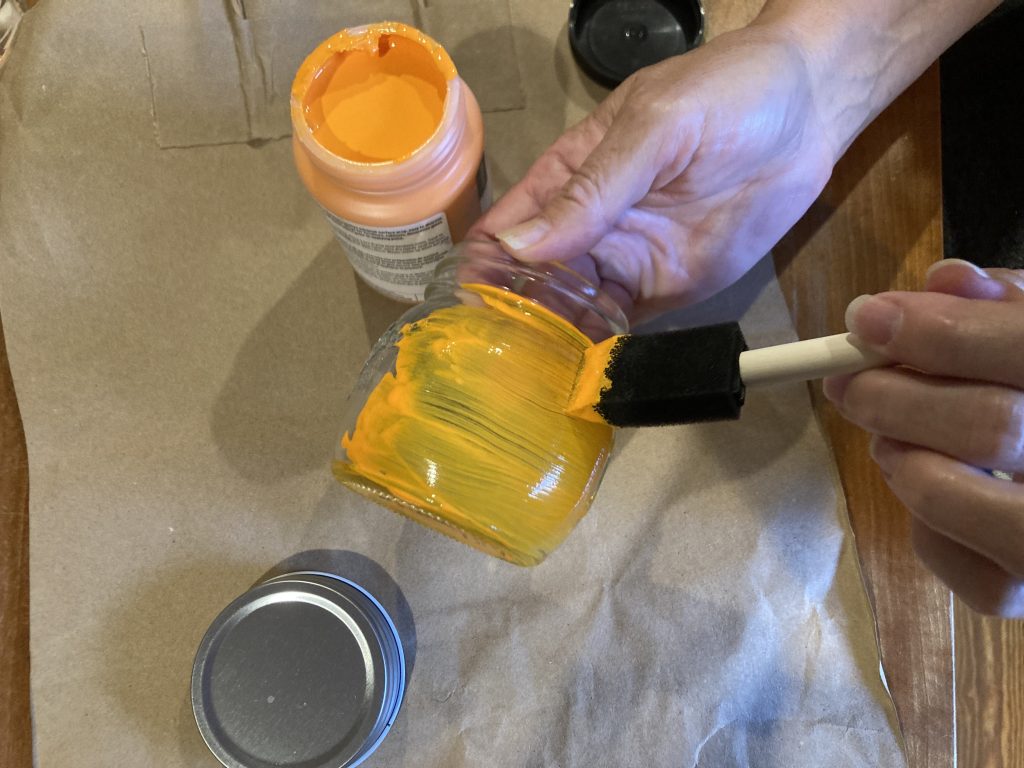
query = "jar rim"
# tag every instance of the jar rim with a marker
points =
(566, 280)
(410, 171)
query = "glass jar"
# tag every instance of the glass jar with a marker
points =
(457, 419)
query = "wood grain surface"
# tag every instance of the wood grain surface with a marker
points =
(15, 701)
(877, 226)
(989, 691)
(15, 723)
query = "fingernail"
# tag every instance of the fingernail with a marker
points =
(873, 447)
(886, 452)
(873, 319)
(522, 236)
(947, 262)
(834, 388)
(883, 452)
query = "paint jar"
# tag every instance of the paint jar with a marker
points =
(389, 141)
(457, 419)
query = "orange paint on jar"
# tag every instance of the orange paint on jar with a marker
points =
(469, 434)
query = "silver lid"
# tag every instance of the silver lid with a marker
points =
(304, 669)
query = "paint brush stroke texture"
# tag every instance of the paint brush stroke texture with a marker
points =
(470, 428)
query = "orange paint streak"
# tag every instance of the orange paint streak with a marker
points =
(469, 435)
(591, 381)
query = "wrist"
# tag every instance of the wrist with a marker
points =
(861, 55)
(842, 61)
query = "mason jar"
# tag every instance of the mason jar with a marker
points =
(457, 418)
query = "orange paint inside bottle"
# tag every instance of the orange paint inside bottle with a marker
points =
(378, 104)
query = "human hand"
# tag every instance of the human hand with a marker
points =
(681, 179)
(954, 406)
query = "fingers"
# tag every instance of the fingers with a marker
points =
(961, 278)
(981, 424)
(945, 335)
(617, 174)
(979, 582)
(1012, 277)
(542, 181)
(518, 204)
(956, 403)
(962, 503)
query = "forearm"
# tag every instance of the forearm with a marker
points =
(863, 53)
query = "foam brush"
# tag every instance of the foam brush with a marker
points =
(698, 374)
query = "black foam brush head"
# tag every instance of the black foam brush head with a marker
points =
(676, 377)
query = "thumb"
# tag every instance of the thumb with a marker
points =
(616, 174)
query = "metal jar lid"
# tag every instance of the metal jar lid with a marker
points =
(305, 669)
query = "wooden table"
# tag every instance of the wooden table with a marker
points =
(957, 678)
(877, 226)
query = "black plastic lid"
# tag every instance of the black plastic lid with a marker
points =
(612, 39)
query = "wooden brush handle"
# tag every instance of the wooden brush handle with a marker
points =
(805, 360)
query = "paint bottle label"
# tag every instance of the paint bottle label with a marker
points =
(397, 261)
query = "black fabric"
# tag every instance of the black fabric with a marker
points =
(983, 141)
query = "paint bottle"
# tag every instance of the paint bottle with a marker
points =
(389, 141)
(457, 421)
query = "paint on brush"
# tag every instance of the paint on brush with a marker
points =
(591, 380)
(469, 433)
